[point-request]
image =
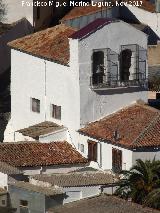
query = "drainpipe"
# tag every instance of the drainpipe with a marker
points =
(45, 90)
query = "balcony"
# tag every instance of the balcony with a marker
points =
(102, 81)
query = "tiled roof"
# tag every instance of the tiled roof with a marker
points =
(135, 126)
(8, 169)
(51, 44)
(39, 154)
(49, 191)
(77, 179)
(102, 204)
(3, 191)
(91, 27)
(82, 11)
(40, 129)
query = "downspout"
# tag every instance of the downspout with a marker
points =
(45, 90)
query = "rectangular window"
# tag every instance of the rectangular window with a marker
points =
(116, 160)
(38, 12)
(56, 111)
(35, 105)
(24, 206)
(92, 151)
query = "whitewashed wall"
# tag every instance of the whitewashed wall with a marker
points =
(3, 180)
(28, 81)
(104, 153)
(146, 155)
(77, 193)
(145, 17)
(95, 105)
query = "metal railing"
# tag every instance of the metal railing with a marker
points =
(114, 81)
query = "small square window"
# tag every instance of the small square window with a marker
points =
(3, 202)
(56, 111)
(35, 105)
(81, 147)
(24, 203)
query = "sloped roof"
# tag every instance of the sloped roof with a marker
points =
(49, 191)
(135, 126)
(3, 191)
(8, 169)
(91, 27)
(77, 12)
(51, 44)
(77, 179)
(102, 204)
(146, 5)
(43, 128)
(23, 154)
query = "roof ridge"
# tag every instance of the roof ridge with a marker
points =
(143, 133)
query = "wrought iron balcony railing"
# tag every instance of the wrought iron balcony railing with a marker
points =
(102, 81)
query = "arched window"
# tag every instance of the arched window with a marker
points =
(125, 64)
(98, 67)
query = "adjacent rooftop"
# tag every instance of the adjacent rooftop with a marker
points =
(102, 204)
(51, 44)
(23, 154)
(135, 126)
(49, 191)
(77, 179)
(40, 129)
(8, 169)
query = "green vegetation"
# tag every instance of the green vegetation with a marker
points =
(154, 84)
(141, 183)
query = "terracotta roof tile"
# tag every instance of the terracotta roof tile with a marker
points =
(39, 154)
(130, 123)
(40, 129)
(77, 179)
(82, 11)
(52, 44)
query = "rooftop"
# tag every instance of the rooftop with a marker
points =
(51, 44)
(137, 126)
(77, 179)
(40, 129)
(3, 191)
(77, 12)
(23, 154)
(102, 204)
(91, 28)
(49, 191)
(8, 169)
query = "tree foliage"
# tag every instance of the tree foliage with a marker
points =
(3, 10)
(142, 183)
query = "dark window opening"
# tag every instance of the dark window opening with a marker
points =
(116, 160)
(3, 202)
(125, 64)
(24, 206)
(56, 112)
(98, 67)
(35, 105)
(92, 151)
(38, 12)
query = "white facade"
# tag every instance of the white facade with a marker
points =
(69, 87)
(145, 17)
(3, 180)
